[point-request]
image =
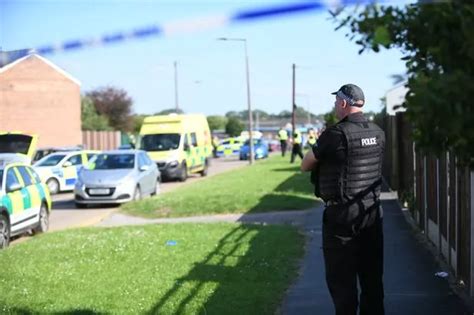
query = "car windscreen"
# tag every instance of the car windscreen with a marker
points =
(51, 160)
(1, 179)
(13, 143)
(160, 142)
(113, 161)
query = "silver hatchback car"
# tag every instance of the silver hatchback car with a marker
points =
(116, 177)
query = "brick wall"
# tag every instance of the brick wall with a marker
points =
(36, 97)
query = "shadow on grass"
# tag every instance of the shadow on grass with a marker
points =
(250, 283)
(25, 311)
(295, 193)
(292, 168)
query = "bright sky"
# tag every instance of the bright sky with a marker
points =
(211, 73)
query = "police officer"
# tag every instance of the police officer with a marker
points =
(283, 136)
(215, 144)
(297, 146)
(346, 166)
(311, 138)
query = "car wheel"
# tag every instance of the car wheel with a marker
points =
(184, 173)
(4, 231)
(43, 223)
(80, 205)
(53, 186)
(205, 171)
(137, 195)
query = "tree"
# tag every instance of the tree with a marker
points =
(115, 104)
(90, 119)
(170, 111)
(233, 113)
(137, 122)
(330, 118)
(284, 114)
(438, 48)
(216, 122)
(234, 127)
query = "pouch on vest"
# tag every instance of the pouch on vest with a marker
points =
(357, 213)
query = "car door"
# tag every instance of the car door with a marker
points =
(141, 174)
(153, 172)
(17, 194)
(144, 174)
(187, 150)
(31, 195)
(195, 161)
(71, 167)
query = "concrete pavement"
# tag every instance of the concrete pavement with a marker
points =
(411, 286)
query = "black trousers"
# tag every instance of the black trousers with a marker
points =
(296, 150)
(346, 261)
(283, 147)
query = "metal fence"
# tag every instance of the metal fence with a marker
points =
(438, 192)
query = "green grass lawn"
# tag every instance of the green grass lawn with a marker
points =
(211, 269)
(269, 185)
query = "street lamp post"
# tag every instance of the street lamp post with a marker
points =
(176, 102)
(249, 106)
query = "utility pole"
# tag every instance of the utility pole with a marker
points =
(257, 118)
(249, 103)
(293, 102)
(176, 102)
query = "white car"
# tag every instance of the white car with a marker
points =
(59, 170)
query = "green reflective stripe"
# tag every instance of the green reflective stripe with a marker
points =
(7, 203)
(40, 191)
(26, 199)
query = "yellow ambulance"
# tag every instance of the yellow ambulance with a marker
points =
(179, 144)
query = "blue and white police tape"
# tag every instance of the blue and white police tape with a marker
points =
(185, 26)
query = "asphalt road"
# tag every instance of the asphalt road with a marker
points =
(65, 215)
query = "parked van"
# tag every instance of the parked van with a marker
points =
(179, 144)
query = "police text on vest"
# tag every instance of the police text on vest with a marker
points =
(368, 141)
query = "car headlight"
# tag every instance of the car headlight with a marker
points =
(173, 163)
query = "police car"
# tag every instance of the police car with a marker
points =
(25, 202)
(60, 170)
(229, 146)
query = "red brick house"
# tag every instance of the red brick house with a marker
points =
(38, 97)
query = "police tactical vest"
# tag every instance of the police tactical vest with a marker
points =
(297, 138)
(363, 166)
(283, 135)
(311, 140)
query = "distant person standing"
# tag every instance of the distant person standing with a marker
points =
(297, 146)
(283, 136)
(311, 138)
(346, 169)
(215, 144)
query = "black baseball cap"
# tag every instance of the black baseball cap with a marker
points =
(352, 94)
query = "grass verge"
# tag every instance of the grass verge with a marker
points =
(269, 185)
(220, 268)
